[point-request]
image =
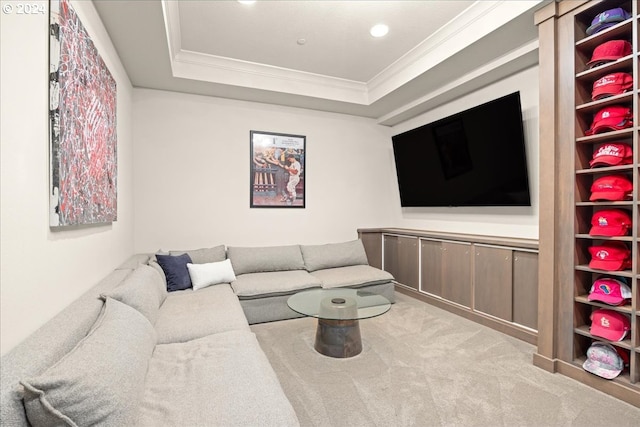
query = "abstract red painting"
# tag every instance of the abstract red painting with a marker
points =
(83, 137)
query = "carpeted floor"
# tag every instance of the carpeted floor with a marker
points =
(422, 366)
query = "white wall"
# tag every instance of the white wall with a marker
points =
(42, 271)
(494, 221)
(192, 174)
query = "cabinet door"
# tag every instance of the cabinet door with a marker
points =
(456, 272)
(492, 275)
(525, 289)
(372, 243)
(431, 267)
(401, 259)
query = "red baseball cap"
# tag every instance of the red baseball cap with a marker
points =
(611, 256)
(610, 222)
(609, 324)
(612, 154)
(611, 187)
(609, 291)
(613, 117)
(609, 51)
(611, 84)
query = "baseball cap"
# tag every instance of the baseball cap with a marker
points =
(609, 324)
(607, 19)
(613, 117)
(609, 51)
(611, 84)
(609, 291)
(611, 187)
(612, 154)
(610, 222)
(603, 360)
(611, 256)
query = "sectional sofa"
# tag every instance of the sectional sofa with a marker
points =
(128, 352)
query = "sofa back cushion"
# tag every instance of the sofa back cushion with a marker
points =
(48, 345)
(100, 381)
(333, 255)
(143, 290)
(264, 259)
(204, 255)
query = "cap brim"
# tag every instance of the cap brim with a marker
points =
(608, 195)
(607, 299)
(598, 369)
(606, 160)
(608, 126)
(601, 264)
(610, 230)
(599, 27)
(607, 334)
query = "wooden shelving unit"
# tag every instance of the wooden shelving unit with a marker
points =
(566, 112)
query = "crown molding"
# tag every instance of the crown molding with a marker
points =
(468, 27)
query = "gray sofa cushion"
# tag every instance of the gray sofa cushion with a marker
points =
(220, 380)
(318, 257)
(48, 345)
(204, 255)
(273, 283)
(262, 259)
(143, 290)
(352, 276)
(101, 381)
(187, 315)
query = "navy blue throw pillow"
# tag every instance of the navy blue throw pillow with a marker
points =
(175, 268)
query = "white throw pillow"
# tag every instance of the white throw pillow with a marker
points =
(212, 273)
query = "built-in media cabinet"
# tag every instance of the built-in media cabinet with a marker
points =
(566, 242)
(491, 280)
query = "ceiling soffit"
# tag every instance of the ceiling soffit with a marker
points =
(476, 22)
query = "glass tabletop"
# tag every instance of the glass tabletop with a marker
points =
(339, 304)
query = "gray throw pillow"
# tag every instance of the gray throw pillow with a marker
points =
(333, 255)
(175, 270)
(101, 381)
(143, 290)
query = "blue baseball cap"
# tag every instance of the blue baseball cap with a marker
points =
(607, 19)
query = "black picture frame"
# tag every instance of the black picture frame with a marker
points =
(277, 170)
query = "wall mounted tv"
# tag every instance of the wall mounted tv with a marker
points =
(473, 158)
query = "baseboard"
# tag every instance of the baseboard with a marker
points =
(544, 362)
(505, 327)
(619, 389)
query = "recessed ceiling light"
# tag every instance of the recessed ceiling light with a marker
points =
(379, 30)
(247, 2)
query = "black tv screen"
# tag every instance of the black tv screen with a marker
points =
(473, 158)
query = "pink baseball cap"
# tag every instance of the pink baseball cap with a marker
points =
(609, 51)
(612, 154)
(613, 117)
(611, 187)
(610, 222)
(611, 84)
(609, 324)
(603, 360)
(609, 291)
(613, 256)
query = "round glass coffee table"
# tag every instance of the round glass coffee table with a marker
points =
(338, 312)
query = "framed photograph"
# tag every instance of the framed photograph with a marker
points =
(277, 170)
(83, 169)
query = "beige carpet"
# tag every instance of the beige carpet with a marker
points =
(422, 366)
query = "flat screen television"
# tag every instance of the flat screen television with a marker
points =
(473, 158)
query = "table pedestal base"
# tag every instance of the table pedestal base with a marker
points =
(338, 338)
